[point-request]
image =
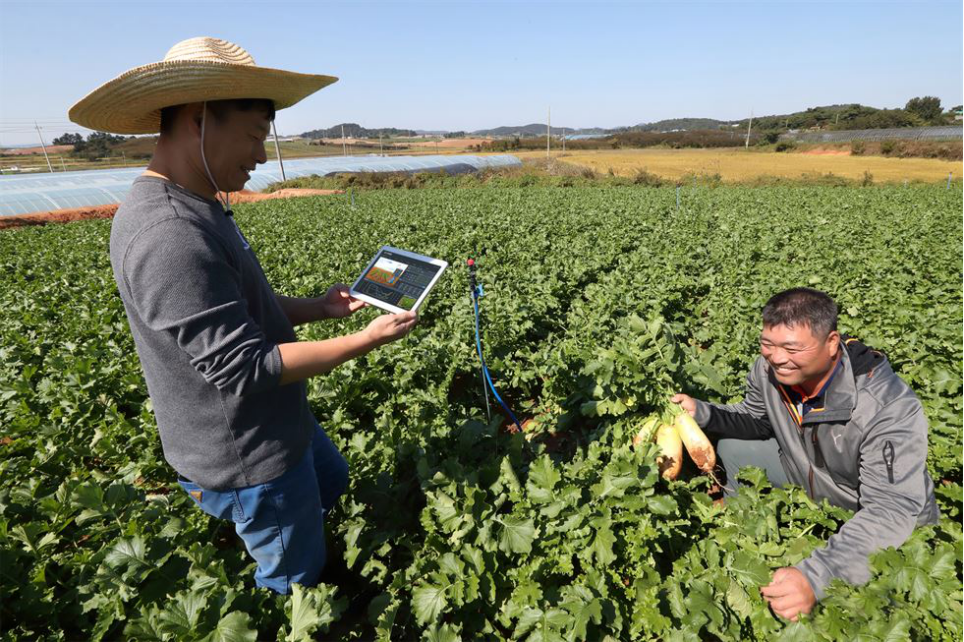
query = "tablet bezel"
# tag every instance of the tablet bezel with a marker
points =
(387, 306)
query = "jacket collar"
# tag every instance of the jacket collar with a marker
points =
(840, 398)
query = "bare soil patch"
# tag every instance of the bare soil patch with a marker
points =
(29, 151)
(58, 216)
(253, 197)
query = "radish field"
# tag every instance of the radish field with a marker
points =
(598, 303)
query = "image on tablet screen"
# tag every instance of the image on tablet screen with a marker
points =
(386, 272)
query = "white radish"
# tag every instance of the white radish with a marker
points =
(670, 459)
(697, 445)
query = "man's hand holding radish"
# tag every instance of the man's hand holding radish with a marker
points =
(789, 593)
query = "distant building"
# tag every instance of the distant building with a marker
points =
(584, 136)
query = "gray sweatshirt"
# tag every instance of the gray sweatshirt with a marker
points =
(207, 325)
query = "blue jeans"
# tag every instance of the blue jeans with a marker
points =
(282, 522)
(737, 453)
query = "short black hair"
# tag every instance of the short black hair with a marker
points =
(220, 109)
(804, 306)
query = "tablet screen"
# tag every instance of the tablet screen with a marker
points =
(397, 279)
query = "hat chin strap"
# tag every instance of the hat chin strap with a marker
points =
(217, 192)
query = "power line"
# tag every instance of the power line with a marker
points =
(44, 147)
(45, 123)
(31, 129)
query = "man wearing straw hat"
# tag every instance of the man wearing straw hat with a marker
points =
(224, 369)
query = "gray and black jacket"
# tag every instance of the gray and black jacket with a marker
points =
(864, 450)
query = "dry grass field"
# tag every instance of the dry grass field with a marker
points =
(737, 165)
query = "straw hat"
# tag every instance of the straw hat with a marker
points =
(193, 70)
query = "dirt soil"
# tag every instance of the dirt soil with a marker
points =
(108, 211)
(28, 151)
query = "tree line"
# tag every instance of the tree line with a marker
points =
(96, 145)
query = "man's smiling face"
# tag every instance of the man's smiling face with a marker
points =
(795, 355)
(235, 146)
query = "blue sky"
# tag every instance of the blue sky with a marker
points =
(473, 65)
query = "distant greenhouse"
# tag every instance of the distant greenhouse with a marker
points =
(586, 136)
(22, 194)
(949, 132)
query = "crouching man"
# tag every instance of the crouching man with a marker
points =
(827, 413)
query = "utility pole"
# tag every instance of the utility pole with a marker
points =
(548, 131)
(277, 150)
(563, 140)
(62, 164)
(344, 146)
(749, 126)
(43, 147)
(381, 151)
(124, 156)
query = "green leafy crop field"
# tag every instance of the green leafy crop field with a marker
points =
(597, 301)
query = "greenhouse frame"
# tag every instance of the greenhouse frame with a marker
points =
(28, 193)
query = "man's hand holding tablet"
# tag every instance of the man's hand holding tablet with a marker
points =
(385, 328)
(388, 327)
(338, 302)
(396, 281)
(303, 359)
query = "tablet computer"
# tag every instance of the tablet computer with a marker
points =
(397, 280)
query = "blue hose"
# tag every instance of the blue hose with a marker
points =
(485, 368)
